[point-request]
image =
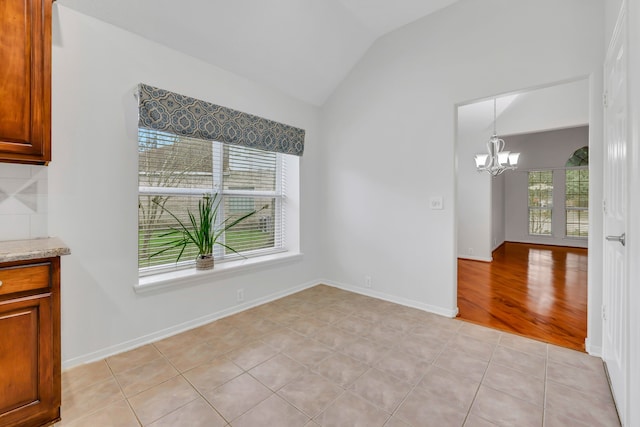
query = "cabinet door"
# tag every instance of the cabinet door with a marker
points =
(25, 81)
(27, 389)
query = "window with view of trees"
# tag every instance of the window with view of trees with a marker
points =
(540, 188)
(577, 202)
(175, 171)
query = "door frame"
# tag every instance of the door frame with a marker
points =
(633, 82)
(593, 342)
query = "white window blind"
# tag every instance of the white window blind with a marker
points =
(176, 171)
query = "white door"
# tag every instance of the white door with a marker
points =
(615, 298)
(633, 250)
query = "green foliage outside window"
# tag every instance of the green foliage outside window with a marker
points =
(577, 202)
(540, 189)
(579, 158)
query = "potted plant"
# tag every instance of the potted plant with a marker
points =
(201, 231)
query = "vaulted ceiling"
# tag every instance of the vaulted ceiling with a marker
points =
(304, 48)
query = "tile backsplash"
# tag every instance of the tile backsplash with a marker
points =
(23, 201)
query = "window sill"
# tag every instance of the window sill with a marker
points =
(188, 276)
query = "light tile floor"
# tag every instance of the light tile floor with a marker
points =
(327, 357)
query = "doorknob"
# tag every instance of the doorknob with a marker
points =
(621, 238)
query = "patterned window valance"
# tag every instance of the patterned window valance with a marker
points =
(181, 115)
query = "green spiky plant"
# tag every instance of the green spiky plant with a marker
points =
(200, 230)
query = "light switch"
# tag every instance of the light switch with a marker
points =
(436, 202)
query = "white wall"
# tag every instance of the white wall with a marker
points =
(555, 107)
(389, 133)
(540, 151)
(93, 186)
(497, 211)
(474, 198)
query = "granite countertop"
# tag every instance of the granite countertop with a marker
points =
(21, 250)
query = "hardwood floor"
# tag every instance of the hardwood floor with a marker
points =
(532, 290)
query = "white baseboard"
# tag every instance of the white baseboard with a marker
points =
(594, 350)
(476, 258)
(167, 332)
(392, 298)
(182, 327)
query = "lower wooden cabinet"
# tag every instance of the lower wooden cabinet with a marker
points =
(30, 387)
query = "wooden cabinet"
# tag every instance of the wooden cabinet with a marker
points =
(30, 386)
(25, 81)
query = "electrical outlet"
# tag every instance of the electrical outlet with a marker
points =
(240, 295)
(470, 251)
(367, 281)
(436, 203)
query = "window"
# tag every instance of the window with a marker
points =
(577, 202)
(580, 157)
(175, 171)
(241, 205)
(540, 202)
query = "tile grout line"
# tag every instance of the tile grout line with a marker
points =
(126, 399)
(484, 374)
(162, 382)
(180, 374)
(202, 396)
(94, 410)
(413, 388)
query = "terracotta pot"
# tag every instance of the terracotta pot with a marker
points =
(204, 262)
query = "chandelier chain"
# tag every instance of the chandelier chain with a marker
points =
(496, 161)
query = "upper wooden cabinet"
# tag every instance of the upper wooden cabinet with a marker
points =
(25, 81)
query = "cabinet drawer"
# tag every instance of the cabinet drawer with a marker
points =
(24, 278)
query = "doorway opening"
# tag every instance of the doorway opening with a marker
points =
(522, 236)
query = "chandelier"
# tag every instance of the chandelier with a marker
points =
(496, 161)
